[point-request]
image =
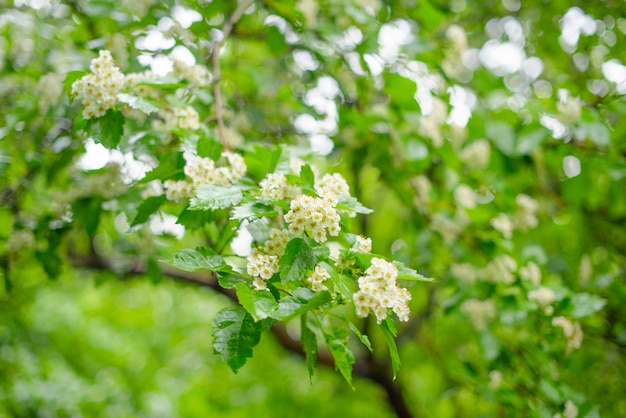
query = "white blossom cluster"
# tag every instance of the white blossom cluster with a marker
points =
(178, 118)
(262, 267)
(275, 187)
(479, 311)
(503, 223)
(196, 75)
(477, 154)
(313, 215)
(317, 278)
(279, 238)
(133, 81)
(571, 330)
(362, 244)
(332, 186)
(99, 89)
(202, 170)
(464, 271)
(378, 292)
(500, 270)
(531, 272)
(526, 216)
(544, 296)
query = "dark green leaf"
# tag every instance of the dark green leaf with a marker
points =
(199, 259)
(235, 334)
(209, 196)
(309, 345)
(87, 211)
(138, 103)
(351, 203)
(297, 260)
(147, 208)
(108, 129)
(50, 262)
(209, 148)
(171, 166)
(338, 346)
(301, 300)
(405, 273)
(389, 331)
(194, 219)
(259, 303)
(153, 271)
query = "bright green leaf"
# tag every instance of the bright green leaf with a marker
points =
(108, 129)
(297, 260)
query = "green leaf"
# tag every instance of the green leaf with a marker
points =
(209, 196)
(252, 210)
(87, 211)
(405, 273)
(401, 91)
(70, 78)
(209, 148)
(301, 300)
(195, 219)
(147, 208)
(230, 281)
(309, 345)
(344, 284)
(153, 271)
(389, 331)
(351, 203)
(297, 260)
(163, 83)
(171, 166)
(584, 304)
(337, 343)
(199, 259)
(259, 303)
(50, 262)
(362, 337)
(597, 133)
(138, 103)
(235, 334)
(307, 176)
(108, 129)
(503, 135)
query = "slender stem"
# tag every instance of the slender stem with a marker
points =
(217, 73)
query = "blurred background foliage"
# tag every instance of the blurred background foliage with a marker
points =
(395, 95)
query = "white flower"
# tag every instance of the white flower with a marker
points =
(531, 272)
(379, 292)
(313, 215)
(500, 270)
(476, 155)
(479, 311)
(279, 238)
(177, 191)
(571, 330)
(179, 118)
(544, 296)
(503, 224)
(362, 244)
(317, 278)
(274, 187)
(332, 186)
(465, 196)
(99, 89)
(262, 267)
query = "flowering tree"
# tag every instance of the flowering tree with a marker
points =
(316, 162)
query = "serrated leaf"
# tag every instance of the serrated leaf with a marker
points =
(147, 208)
(108, 129)
(406, 273)
(235, 334)
(389, 331)
(259, 303)
(209, 148)
(309, 345)
(138, 103)
(209, 196)
(362, 337)
(252, 210)
(230, 281)
(194, 219)
(352, 204)
(301, 300)
(297, 260)
(344, 359)
(199, 259)
(171, 166)
(307, 176)
(584, 304)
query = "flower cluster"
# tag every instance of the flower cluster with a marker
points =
(332, 186)
(378, 291)
(317, 278)
(500, 270)
(178, 118)
(177, 191)
(313, 215)
(196, 75)
(274, 187)
(98, 90)
(362, 244)
(262, 267)
(571, 330)
(544, 296)
(279, 238)
(479, 311)
(526, 216)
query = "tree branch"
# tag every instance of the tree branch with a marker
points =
(218, 40)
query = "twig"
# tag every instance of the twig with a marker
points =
(218, 40)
